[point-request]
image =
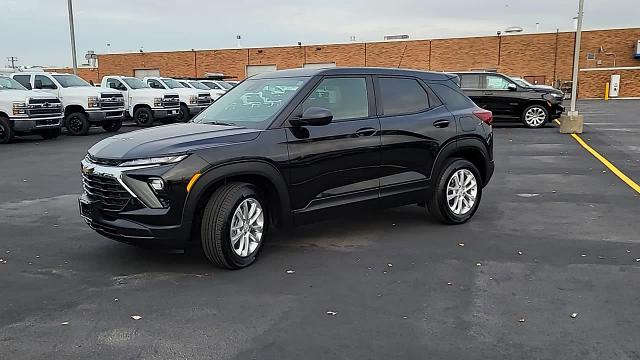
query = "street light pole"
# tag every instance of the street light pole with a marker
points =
(73, 38)
(576, 61)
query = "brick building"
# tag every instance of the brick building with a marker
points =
(542, 58)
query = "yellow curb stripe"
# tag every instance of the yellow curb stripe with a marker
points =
(627, 180)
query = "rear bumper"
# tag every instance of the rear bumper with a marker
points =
(165, 113)
(34, 125)
(103, 115)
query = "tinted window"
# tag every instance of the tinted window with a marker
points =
(346, 98)
(402, 96)
(470, 81)
(155, 84)
(451, 96)
(46, 82)
(115, 84)
(23, 80)
(495, 82)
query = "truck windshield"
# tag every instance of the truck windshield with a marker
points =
(198, 85)
(252, 104)
(135, 83)
(7, 83)
(225, 85)
(172, 84)
(70, 81)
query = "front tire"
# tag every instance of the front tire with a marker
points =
(6, 131)
(234, 225)
(183, 114)
(143, 117)
(535, 116)
(51, 134)
(112, 126)
(457, 192)
(77, 124)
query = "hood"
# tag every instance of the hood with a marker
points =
(152, 92)
(545, 89)
(23, 95)
(170, 139)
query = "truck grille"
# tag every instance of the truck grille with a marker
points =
(204, 99)
(38, 107)
(111, 101)
(105, 190)
(171, 101)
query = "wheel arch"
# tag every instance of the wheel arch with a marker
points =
(472, 149)
(69, 109)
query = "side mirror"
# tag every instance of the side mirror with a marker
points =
(512, 87)
(37, 84)
(313, 116)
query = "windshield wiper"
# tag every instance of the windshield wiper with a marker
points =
(221, 123)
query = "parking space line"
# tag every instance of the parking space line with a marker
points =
(627, 180)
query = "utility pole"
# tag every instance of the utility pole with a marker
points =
(573, 123)
(13, 61)
(73, 38)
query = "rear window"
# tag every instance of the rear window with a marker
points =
(470, 81)
(451, 95)
(402, 96)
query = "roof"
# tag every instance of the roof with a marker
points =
(426, 75)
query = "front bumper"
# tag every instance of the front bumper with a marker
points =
(36, 124)
(195, 109)
(161, 113)
(105, 115)
(556, 111)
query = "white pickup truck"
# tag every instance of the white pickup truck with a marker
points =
(84, 105)
(24, 112)
(197, 85)
(144, 105)
(192, 101)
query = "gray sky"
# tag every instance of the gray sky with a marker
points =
(37, 31)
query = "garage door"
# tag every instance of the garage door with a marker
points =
(319, 65)
(140, 73)
(260, 69)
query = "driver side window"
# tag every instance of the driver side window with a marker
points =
(346, 98)
(115, 84)
(43, 82)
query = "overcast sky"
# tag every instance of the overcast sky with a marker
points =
(37, 31)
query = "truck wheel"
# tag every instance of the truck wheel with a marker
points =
(51, 133)
(6, 131)
(183, 114)
(112, 126)
(77, 124)
(234, 225)
(143, 117)
(457, 192)
(535, 116)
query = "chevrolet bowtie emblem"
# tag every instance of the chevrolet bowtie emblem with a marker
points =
(88, 170)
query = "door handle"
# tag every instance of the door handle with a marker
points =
(441, 123)
(365, 132)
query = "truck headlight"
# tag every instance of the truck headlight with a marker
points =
(157, 102)
(93, 102)
(19, 108)
(193, 99)
(155, 161)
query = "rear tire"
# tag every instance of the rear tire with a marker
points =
(51, 134)
(535, 116)
(183, 115)
(6, 131)
(220, 221)
(77, 124)
(112, 126)
(452, 203)
(143, 117)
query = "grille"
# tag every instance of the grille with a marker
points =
(111, 101)
(204, 99)
(103, 161)
(171, 101)
(44, 107)
(42, 101)
(105, 190)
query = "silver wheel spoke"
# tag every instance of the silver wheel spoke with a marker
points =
(245, 231)
(461, 192)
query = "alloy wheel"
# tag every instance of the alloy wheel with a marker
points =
(462, 192)
(535, 116)
(246, 227)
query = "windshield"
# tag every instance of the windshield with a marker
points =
(135, 83)
(225, 85)
(7, 83)
(252, 104)
(198, 85)
(172, 84)
(522, 82)
(70, 81)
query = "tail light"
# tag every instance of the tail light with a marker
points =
(485, 115)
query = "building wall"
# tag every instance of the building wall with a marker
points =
(592, 83)
(549, 55)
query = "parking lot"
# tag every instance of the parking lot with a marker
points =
(556, 235)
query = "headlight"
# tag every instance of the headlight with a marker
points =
(155, 161)
(92, 102)
(157, 102)
(19, 108)
(193, 99)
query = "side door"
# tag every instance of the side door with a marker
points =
(44, 83)
(471, 85)
(116, 84)
(501, 95)
(335, 165)
(414, 126)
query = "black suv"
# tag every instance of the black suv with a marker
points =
(289, 147)
(509, 99)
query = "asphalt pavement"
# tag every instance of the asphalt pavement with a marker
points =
(548, 268)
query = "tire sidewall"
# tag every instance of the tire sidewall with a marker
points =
(450, 169)
(112, 126)
(6, 127)
(546, 116)
(184, 110)
(51, 134)
(84, 129)
(149, 120)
